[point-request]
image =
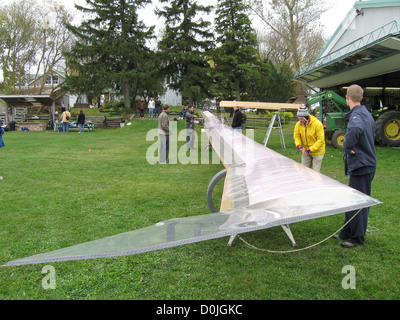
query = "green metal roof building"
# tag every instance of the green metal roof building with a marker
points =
(365, 49)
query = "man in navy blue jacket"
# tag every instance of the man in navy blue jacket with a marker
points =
(360, 162)
(1, 134)
(1, 139)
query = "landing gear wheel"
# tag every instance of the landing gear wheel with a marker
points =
(220, 175)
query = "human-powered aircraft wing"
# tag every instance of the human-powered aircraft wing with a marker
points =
(262, 189)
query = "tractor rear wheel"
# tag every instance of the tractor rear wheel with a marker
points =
(328, 138)
(338, 138)
(387, 130)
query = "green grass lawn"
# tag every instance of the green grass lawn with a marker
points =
(56, 193)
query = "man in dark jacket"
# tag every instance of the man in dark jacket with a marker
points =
(1, 139)
(1, 134)
(237, 119)
(141, 107)
(190, 128)
(360, 162)
(81, 122)
(158, 108)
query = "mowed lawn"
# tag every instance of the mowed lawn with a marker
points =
(56, 193)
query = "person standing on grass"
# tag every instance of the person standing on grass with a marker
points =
(56, 121)
(1, 139)
(158, 108)
(164, 133)
(309, 138)
(141, 107)
(237, 119)
(81, 122)
(65, 117)
(151, 107)
(190, 128)
(360, 163)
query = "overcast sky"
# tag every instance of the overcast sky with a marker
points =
(331, 19)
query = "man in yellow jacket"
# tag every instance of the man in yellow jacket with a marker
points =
(309, 138)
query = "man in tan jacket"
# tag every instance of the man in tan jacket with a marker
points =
(164, 132)
(65, 117)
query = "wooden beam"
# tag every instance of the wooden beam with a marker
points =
(260, 105)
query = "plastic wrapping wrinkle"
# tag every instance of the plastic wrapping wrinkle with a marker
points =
(262, 189)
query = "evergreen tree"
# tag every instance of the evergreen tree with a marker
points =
(110, 51)
(281, 87)
(184, 48)
(236, 54)
(271, 84)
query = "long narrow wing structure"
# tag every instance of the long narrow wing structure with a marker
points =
(262, 189)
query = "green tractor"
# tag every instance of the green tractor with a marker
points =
(332, 109)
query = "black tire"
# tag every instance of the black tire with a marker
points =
(338, 138)
(328, 138)
(387, 131)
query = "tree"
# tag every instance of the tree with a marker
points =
(32, 37)
(55, 39)
(19, 42)
(294, 27)
(271, 84)
(184, 48)
(110, 51)
(152, 82)
(236, 55)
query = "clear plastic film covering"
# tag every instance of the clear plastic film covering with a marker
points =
(262, 189)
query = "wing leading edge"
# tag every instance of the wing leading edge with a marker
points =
(263, 189)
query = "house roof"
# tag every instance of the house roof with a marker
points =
(27, 99)
(353, 13)
(34, 77)
(376, 52)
